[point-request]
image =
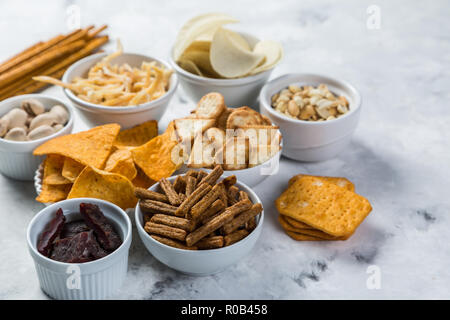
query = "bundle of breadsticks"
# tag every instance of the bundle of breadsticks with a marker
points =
(198, 212)
(49, 58)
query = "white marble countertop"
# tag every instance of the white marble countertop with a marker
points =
(399, 157)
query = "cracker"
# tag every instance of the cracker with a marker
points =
(302, 237)
(339, 181)
(309, 232)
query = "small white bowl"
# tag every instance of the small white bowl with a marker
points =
(98, 279)
(127, 116)
(312, 140)
(237, 92)
(200, 262)
(16, 157)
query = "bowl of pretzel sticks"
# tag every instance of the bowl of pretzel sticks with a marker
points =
(199, 223)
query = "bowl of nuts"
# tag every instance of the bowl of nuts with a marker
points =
(317, 114)
(26, 122)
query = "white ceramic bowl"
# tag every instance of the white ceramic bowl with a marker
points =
(309, 140)
(200, 262)
(237, 92)
(127, 117)
(98, 279)
(16, 157)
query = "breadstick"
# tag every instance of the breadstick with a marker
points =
(213, 176)
(217, 222)
(235, 237)
(229, 181)
(241, 219)
(166, 231)
(243, 195)
(232, 194)
(192, 199)
(190, 185)
(212, 210)
(172, 243)
(200, 208)
(180, 185)
(250, 224)
(200, 176)
(145, 194)
(170, 192)
(211, 242)
(153, 206)
(175, 222)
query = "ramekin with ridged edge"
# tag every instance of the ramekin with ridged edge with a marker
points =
(16, 157)
(93, 280)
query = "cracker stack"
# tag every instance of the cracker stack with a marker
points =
(316, 208)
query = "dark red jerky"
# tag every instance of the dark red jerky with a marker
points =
(72, 250)
(94, 218)
(71, 229)
(95, 251)
(50, 233)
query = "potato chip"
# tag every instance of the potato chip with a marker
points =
(95, 183)
(324, 206)
(138, 135)
(229, 59)
(121, 162)
(190, 66)
(201, 59)
(71, 169)
(141, 180)
(53, 165)
(272, 51)
(91, 147)
(155, 157)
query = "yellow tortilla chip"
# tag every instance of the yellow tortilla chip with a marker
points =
(141, 180)
(71, 169)
(121, 162)
(155, 157)
(91, 147)
(113, 187)
(138, 135)
(53, 165)
(53, 193)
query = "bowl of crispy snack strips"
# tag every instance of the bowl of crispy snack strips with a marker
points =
(122, 88)
(199, 223)
(242, 141)
(316, 208)
(105, 162)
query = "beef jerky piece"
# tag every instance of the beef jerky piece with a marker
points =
(50, 233)
(94, 218)
(72, 250)
(70, 229)
(95, 250)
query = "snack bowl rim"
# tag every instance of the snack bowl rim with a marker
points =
(242, 187)
(51, 209)
(37, 142)
(96, 57)
(287, 79)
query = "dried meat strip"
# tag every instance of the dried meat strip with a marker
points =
(51, 232)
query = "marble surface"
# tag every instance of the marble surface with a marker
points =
(399, 157)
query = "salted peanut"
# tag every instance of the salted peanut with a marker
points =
(250, 224)
(216, 206)
(191, 183)
(43, 119)
(294, 88)
(307, 112)
(235, 237)
(199, 209)
(40, 132)
(200, 176)
(144, 194)
(175, 222)
(33, 107)
(293, 108)
(152, 206)
(4, 123)
(192, 199)
(213, 242)
(16, 118)
(213, 176)
(232, 193)
(342, 109)
(243, 195)
(241, 219)
(180, 184)
(16, 134)
(166, 231)
(61, 114)
(217, 222)
(172, 243)
(170, 192)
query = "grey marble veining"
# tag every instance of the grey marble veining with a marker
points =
(399, 158)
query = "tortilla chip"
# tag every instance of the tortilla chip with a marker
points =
(53, 165)
(91, 147)
(141, 180)
(121, 162)
(53, 193)
(138, 135)
(113, 187)
(155, 157)
(71, 169)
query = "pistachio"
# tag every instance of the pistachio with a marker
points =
(61, 114)
(41, 132)
(16, 134)
(17, 118)
(33, 107)
(57, 127)
(47, 118)
(4, 124)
